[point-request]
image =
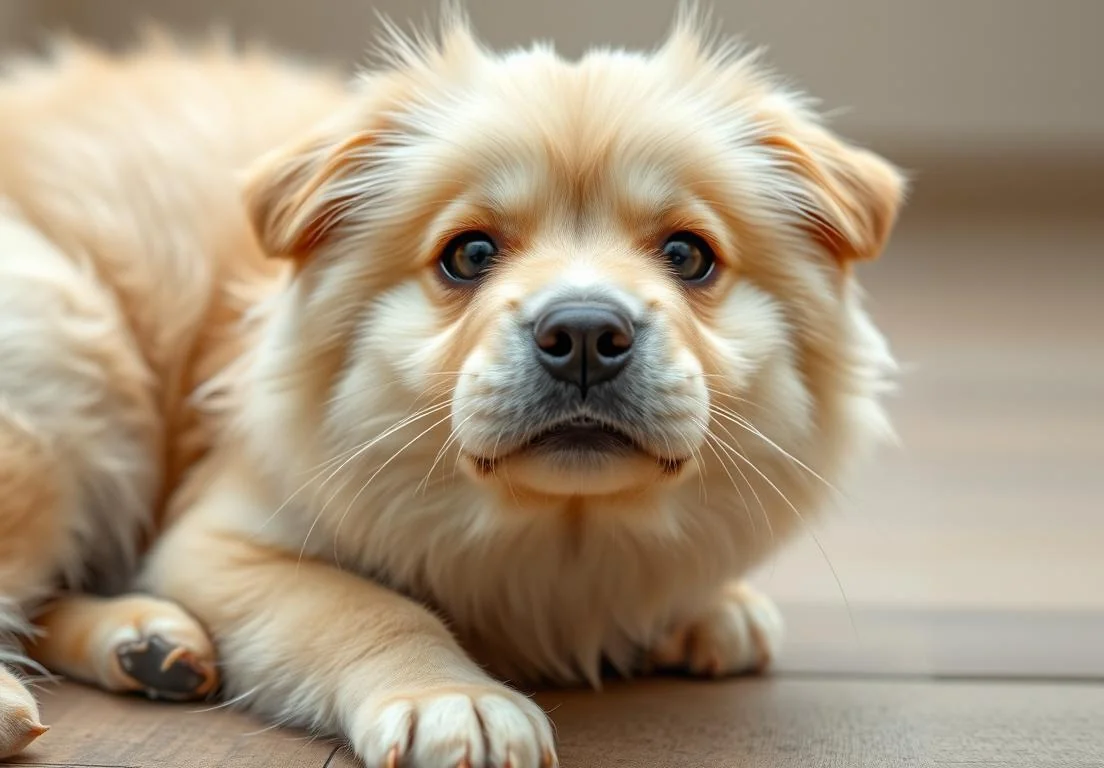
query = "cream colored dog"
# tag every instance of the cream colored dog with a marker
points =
(503, 367)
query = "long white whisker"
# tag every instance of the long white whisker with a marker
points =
(228, 703)
(334, 495)
(699, 459)
(380, 469)
(805, 523)
(737, 398)
(724, 465)
(746, 425)
(453, 435)
(355, 452)
(387, 433)
(735, 452)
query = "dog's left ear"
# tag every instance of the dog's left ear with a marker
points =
(297, 198)
(850, 196)
(294, 198)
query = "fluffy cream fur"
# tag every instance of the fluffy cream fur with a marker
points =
(336, 425)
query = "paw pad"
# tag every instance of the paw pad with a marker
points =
(165, 670)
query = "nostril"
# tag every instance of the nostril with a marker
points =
(556, 343)
(613, 344)
(583, 344)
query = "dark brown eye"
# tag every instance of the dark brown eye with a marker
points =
(690, 257)
(467, 256)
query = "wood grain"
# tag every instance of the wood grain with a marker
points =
(90, 728)
(750, 723)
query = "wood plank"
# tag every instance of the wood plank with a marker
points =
(892, 640)
(750, 723)
(90, 728)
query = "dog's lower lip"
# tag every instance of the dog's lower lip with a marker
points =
(579, 437)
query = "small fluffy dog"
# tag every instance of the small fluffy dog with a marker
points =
(503, 367)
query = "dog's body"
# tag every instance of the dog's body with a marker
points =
(556, 350)
(126, 263)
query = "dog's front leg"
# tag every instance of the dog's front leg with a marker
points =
(304, 643)
(739, 631)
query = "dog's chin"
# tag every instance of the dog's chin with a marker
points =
(576, 459)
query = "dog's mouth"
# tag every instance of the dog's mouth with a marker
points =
(581, 440)
(581, 434)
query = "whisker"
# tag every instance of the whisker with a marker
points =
(737, 398)
(395, 455)
(271, 727)
(431, 408)
(337, 491)
(743, 502)
(453, 435)
(226, 704)
(812, 534)
(356, 451)
(746, 424)
(387, 433)
(443, 392)
(734, 453)
(317, 519)
(699, 459)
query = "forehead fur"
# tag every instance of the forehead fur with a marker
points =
(575, 112)
(447, 115)
(445, 124)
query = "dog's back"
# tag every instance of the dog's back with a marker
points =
(126, 263)
(128, 166)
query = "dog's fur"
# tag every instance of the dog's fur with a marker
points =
(335, 430)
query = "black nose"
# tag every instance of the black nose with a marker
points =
(583, 344)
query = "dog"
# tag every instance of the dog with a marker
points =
(490, 367)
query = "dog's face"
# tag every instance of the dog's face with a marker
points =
(581, 278)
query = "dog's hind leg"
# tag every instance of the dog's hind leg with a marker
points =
(19, 721)
(80, 445)
(127, 643)
(30, 515)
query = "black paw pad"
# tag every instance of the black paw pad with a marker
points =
(164, 670)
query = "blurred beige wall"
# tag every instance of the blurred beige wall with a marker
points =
(950, 74)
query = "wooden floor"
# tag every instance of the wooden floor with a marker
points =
(990, 516)
(783, 723)
(972, 552)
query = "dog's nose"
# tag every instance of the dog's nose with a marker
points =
(583, 344)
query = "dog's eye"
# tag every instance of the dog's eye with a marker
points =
(467, 256)
(690, 257)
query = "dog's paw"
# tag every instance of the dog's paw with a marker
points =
(461, 726)
(742, 632)
(19, 720)
(163, 652)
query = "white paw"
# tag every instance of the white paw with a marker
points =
(19, 720)
(741, 633)
(461, 726)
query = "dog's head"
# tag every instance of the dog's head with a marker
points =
(581, 278)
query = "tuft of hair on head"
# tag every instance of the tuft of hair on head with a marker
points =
(420, 44)
(848, 197)
(698, 47)
(695, 21)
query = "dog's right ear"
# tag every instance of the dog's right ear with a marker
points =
(294, 196)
